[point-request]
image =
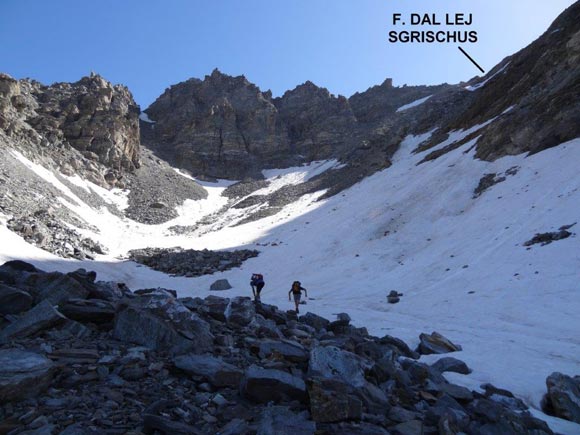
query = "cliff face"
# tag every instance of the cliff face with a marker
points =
(533, 96)
(317, 123)
(219, 125)
(226, 127)
(90, 126)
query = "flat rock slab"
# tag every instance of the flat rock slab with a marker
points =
(332, 362)
(145, 328)
(42, 316)
(89, 310)
(265, 385)
(23, 374)
(436, 343)
(290, 350)
(75, 356)
(215, 370)
(56, 287)
(13, 300)
(449, 364)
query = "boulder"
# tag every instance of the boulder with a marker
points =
(332, 400)
(216, 307)
(145, 328)
(287, 349)
(88, 310)
(436, 343)
(315, 321)
(23, 374)
(240, 311)
(563, 398)
(13, 300)
(20, 266)
(214, 370)
(220, 284)
(42, 316)
(280, 420)
(56, 287)
(449, 364)
(331, 362)
(400, 345)
(265, 385)
(394, 297)
(456, 391)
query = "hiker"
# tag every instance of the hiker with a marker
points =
(296, 291)
(257, 284)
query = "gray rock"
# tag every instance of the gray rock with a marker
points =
(436, 343)
(240, 311)
(332, 400)
(563, 397)
(288, 349)
(40, 317)
(449, 364)
(13, 301)
(214, 370)
(88, 310)
(265, 385)
(331, 362)
(145, 328)
(56, 287)
(216, 307)
(23, 374)
(279, 420)
(220, 284)
(400, 345)
(456, 391)
(314, 320)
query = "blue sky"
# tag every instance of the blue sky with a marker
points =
(339, 44)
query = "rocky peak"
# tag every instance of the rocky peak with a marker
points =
(216, 126)
(90, 125)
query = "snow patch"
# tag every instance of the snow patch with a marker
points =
(483, 83)
(145, 118)
(413, 104)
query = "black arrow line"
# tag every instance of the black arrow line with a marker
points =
(471, 59)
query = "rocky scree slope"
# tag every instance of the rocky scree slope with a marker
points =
(81, 356)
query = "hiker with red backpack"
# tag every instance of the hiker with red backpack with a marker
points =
(257, 283)
(296, 291)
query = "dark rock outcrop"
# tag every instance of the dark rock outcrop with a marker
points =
(563, 397)
(89, 127)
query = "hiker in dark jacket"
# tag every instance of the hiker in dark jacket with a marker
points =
(257, 283)
(296, 291)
